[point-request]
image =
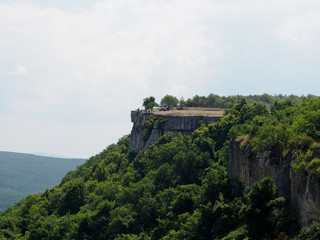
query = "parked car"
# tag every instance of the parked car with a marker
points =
(164, 108)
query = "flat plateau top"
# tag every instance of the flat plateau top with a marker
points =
(192, 112)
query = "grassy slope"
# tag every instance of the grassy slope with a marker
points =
(23, 174)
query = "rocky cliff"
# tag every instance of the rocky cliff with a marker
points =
(244, 168)
(148, 128)
(301, 190)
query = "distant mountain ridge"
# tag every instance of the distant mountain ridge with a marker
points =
(48, 155)
(22, 174)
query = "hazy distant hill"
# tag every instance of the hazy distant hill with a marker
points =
(23, 174)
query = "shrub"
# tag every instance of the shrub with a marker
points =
(311, 232)
(302, 161)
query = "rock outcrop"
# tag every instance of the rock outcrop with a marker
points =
(244, 167)
(305, 197)
(303, 191)
(141, 137)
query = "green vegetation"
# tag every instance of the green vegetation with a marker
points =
(178, 188)
(213, 100)
(148, 126)
(149, 103)
(169, 100)
(216, 101)
(24, 174)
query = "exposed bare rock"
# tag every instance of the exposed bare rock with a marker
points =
(305, 196)
(246, 168)
(163, 124)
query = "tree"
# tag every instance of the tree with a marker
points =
(149, 103)
(169, 100)
(262, 200)
(74, 196)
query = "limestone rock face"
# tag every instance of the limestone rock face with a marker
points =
(305, 195)
(246, 168)
(163, 124)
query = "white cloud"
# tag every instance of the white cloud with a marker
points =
(114, 40)
(19, 70)
(302, 31)
(116, 48)
(95, 65)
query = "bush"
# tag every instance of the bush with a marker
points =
(240, 233)
(302, 161)
(311, 232)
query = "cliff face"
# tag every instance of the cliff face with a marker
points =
(244, 167)
(302, 191)
(162, 124)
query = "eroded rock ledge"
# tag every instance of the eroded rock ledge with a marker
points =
(163, 124)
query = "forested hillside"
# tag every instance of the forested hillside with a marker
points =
(23, 174)
(178, 188)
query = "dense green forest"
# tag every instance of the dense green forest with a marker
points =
(23, 174)
(214, 100)
(178, 188)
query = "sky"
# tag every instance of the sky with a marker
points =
(71, 71)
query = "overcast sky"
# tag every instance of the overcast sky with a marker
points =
(71, 71)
